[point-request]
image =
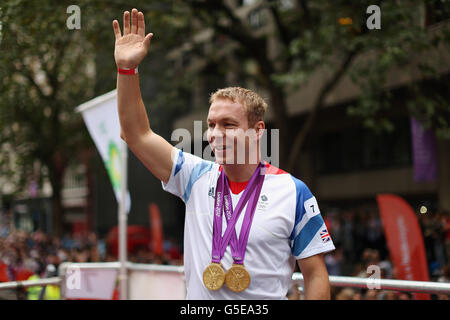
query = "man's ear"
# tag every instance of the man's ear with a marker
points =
(259, 127)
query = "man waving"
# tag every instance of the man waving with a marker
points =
(247, 222)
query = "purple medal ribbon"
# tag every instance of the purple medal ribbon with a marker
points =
(223, 191)
(217, 224)
(228, 209)
(239, 254)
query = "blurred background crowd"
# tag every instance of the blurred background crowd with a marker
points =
(358, 237)
(33, 255)
(360, 242)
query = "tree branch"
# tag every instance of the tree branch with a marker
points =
(30, 77)
(256, 47)
(282, 30)
(52, 74)
(307, 15)
(326, 89)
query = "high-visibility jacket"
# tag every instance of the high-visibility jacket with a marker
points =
(52, 292)
(33, 292)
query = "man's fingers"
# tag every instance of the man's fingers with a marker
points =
(141, 24)
(116, 28)
(126, 23)
(134, 25)
(147, 40)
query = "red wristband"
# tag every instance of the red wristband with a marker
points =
(128, 71)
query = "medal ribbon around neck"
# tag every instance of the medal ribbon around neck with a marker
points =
(237, 278)
(220, 243)
(214, 276)
(238, 247)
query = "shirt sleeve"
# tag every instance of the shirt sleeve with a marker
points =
(186, 170)
(310, 235)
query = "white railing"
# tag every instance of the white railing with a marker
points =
(384, 284)
(31, 283)
(297, 278)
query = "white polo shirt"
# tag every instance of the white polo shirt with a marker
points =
(287, 225)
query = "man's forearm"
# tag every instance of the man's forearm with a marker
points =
(317, 287)
(132, 115)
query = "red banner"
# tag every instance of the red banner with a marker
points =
(404, 239)
(156, 229)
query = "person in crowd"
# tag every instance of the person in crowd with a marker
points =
(346, 294)
(371, 294)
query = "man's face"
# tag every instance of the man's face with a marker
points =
(228, 132)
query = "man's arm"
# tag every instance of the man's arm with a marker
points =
(130, 49)
(315, 276)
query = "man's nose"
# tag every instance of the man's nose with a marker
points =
(215, 133)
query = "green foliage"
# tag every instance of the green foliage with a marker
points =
(46, 70)
(318, 35)
(399, 48)
(45, 73)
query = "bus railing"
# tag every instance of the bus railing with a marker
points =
(297, 278)
(383, 284)
(31, 283)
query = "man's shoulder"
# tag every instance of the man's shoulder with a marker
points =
(272, 170)
(184, 159)
(275, 172)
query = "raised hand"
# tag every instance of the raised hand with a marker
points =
(132, 46)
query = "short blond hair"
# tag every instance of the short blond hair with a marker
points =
(254, 105)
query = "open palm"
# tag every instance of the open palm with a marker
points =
(132, 46)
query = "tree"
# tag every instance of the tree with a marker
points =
(53, 60)
(332, 36)
(45, 74)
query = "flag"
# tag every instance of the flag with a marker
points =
(102, 120)
(404, 239)
(156, 229)
(325, 235)
(424, 152)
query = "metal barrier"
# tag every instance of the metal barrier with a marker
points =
(116, 265)
(14, 290)
(383, 284)
(297, 278)
(31, 283)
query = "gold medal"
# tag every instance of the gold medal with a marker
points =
(214, 276)
(237, 278)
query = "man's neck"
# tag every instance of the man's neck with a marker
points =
(239, 172)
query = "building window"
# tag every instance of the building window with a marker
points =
(436, 11)
(257, 18)
(286, 4)
(358, 149)
(247, 2)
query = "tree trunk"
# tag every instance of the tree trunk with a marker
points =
(56, 172)
(278, 103)
(57, 211)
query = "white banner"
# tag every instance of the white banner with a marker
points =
(102, 120)
(148, 285)
(90, 283)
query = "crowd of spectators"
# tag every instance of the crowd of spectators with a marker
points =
(23, 253)
(357, 234)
